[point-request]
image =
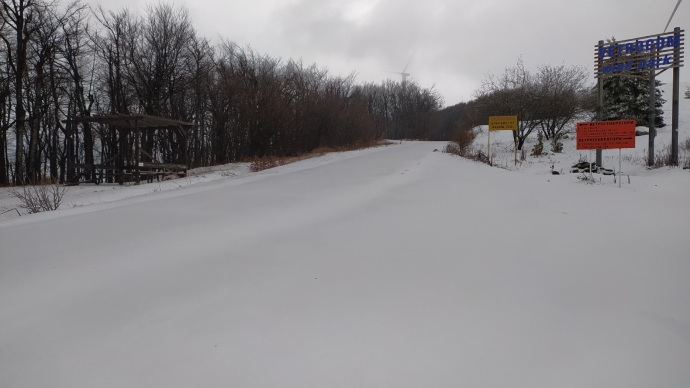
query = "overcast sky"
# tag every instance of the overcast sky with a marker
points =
(455, 43)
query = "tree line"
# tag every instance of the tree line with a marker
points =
(59, 61)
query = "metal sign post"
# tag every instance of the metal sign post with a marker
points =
(601, 135)
(590, 166)
(652, 117)
(488, 153)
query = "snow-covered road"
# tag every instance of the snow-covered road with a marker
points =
(398, 267)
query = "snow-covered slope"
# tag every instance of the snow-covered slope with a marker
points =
(634, 161)
(395, 267)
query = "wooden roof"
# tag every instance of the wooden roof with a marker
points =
(128, 121)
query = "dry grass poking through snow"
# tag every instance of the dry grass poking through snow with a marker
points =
(662, 156)
(260, 164)
(684, 153)
(266, 162)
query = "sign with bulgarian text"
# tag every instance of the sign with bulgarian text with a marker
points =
(503, 123)
(602, 135)
(636, 55)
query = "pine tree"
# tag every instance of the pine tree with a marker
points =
(627, 98)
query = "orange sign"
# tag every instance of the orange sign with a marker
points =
(602, 135)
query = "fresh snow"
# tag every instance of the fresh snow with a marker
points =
(393, 266)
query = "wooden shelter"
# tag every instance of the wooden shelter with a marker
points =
(125, 166)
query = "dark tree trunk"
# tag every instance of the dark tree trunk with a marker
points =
(4, 178)
(20, 113)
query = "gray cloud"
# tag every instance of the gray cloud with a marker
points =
(456, 42)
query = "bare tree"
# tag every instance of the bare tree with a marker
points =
(156, 49)
(564, 93)
(6, 103)
(79, 60)
(109, 42)
(20, 17)
(41, 57)
(515, 92)
(199, 67)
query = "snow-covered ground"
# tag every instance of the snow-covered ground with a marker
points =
(90, 194)
(394, 266)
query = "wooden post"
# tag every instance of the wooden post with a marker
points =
(121, 162)
(515, 151)
(137, 148)
(676, 98)
(70, 151)
(184, 151)
(184, 144)
(652, 118)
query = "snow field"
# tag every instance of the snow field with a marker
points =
(394, 267)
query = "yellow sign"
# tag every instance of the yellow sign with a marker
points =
(503, 123)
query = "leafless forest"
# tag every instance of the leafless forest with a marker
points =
(58, 60)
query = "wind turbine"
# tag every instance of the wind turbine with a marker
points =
(403, 73)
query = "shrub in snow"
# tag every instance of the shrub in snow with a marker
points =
(461, 142)
(556, 145)
(539, 147)
(43, 197)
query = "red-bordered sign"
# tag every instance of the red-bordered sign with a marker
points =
(603, 135)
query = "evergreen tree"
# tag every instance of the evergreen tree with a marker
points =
(627, 98)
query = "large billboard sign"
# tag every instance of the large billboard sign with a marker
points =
(636, 55)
